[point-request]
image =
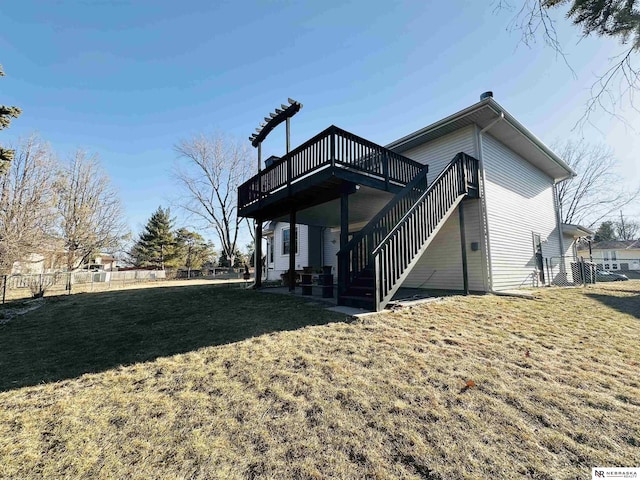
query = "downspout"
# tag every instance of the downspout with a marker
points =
(322, 232)
(484, 199)
(563, 267)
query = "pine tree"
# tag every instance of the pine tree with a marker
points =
(611, 18)
(192, 250)
(605, 232)
(157, 244)
(6, 113)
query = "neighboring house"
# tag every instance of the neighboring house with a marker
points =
(102, 261)
(34, 263)
(467, 203)
(52, 260)
(614, 255)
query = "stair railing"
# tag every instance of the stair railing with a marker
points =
(402, 243)
(359, 248)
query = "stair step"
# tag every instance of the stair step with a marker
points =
(363, 282)
(362, 287)
(356, 301)
(359, 292)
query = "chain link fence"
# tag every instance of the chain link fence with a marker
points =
(568, 271)
(16, 287)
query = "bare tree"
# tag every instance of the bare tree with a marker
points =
(26, 201)
(619, 19)
(6, 113)
(89, 210)
(210, 168)
(627, 229)
(596, 192)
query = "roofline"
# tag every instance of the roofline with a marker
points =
(527, 133)
(497, 109)
(586, 231)
(634, 245)
(438, 124)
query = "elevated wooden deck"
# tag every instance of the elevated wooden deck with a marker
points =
(321, 169)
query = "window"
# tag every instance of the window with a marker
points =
(286, 241)
(613, 255)
(606, 255)
(615, 266)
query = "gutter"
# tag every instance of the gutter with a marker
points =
(556, 205)
(484, 199)
(495, 106)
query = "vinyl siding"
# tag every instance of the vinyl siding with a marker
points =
(631, 257)
(519, 200)
(331, 246)
(569, 257)
(280, 262)
(440, 267)
(440, 152)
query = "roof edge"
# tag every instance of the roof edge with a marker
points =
(535, 140)
(439, 124)
(571, 228)
(497, 109)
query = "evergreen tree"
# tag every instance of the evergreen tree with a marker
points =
(251, 253)
(238, 260)
(157, 244)
(610, 18)
(6, 113)
(605, 232)
(192, 250)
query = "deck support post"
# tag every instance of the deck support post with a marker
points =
(343, 260)
(292, 249)
(257, 262)
(463, 246)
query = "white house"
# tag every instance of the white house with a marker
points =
(614, 255)
(467, 203)
(278, 242)
(102, 261)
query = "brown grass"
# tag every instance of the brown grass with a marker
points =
(463, 388)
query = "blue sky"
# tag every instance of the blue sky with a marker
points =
(128, 80)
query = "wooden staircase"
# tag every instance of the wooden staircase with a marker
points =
(376, 261)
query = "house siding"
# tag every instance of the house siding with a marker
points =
(519, 200)
(569, 257)
(280, 262)
(440, 266)
(331, 247)
(630, 257)
(438, 153)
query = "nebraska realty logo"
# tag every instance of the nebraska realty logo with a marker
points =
(614, 472)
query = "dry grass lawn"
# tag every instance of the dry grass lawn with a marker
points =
(555, 391)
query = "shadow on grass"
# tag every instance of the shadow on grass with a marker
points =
(629, 304)
(93, 332)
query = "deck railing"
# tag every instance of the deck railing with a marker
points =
(332, 147)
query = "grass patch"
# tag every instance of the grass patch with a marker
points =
(83, 333)
(469, 387)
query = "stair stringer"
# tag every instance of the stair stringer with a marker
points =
(382, 302)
